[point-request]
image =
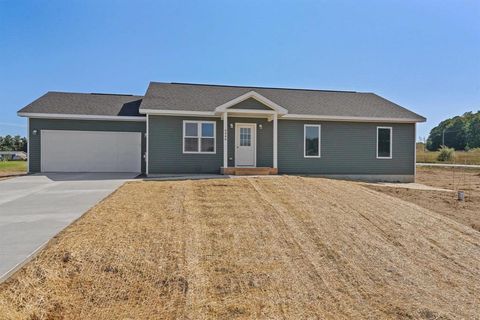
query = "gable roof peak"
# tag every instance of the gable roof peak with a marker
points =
(251, 95)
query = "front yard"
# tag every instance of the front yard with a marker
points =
(445, 203)
(8, 168)
(273, 247)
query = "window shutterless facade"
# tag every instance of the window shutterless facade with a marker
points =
(311, 140)
(384, 142)
(199, 136)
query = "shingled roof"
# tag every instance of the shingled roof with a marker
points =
(85, 104)
(203, 97)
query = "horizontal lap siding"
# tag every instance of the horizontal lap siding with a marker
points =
(346, 148)
(166, 147)
(264, 141)
(78, 125)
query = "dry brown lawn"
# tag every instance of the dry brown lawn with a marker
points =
(256, 248)
(445, 203)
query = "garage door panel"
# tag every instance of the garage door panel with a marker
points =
(90, 151)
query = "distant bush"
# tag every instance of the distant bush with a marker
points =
(446, 154)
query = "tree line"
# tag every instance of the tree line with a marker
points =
(460, 132)
(13, 143)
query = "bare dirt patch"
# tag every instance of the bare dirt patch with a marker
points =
(445, 203)
(283, 248)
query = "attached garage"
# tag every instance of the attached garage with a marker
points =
(90, 151)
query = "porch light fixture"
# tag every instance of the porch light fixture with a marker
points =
(231, 125)
(34, 132)
(260, 126)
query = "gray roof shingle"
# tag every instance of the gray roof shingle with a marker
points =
(201, 97)
(85, 104)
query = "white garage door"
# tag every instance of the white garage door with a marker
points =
(90, 151)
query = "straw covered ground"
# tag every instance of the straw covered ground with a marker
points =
(252, 248)
(445, 203)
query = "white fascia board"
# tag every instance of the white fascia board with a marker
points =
(256, 96)
(178, 113)
(347, 118)
(79, 117)
(247, 111)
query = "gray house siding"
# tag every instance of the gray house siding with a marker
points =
(347, 148)
(250, 103)
(165, 147)
(264, 141)
(85, 125)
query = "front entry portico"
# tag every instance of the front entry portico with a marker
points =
(246, 133)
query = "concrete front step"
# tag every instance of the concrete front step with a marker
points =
(249, 171)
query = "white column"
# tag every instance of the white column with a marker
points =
(275, 130)
(28, 145)
(146, 147)
(225, 140)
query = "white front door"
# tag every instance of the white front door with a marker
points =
(245, 144)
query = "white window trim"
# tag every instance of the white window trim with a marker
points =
(319, 140)
(199, 137)
(391, 143)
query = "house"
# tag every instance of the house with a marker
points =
(13, 155)
(197, 128)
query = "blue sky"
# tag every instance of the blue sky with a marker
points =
(424, 55)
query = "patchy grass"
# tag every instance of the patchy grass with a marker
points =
(460, 157)
(12, 167)
(445, 203)
(256, 248)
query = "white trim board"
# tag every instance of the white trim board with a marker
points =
(199, 136)
(415, 150)
(259, 113)
(147, 132)
(254, 113)
(319, 140)
(178, 113)
(347, 118)
(28, 145)
(252, 94)
(391, 143)
(80, 117)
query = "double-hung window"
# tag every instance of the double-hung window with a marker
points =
(311, 141)
(198, 136)
(384, 142)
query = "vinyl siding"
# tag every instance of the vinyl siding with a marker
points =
(251, 104)
(166, 146)
(264, 141)
(86, 125)
(346, 148)
(165, 150)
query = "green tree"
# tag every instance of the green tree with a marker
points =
(458, 132)
(473, 132)
(16, 143)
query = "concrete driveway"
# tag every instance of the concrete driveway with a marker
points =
(35, 208)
